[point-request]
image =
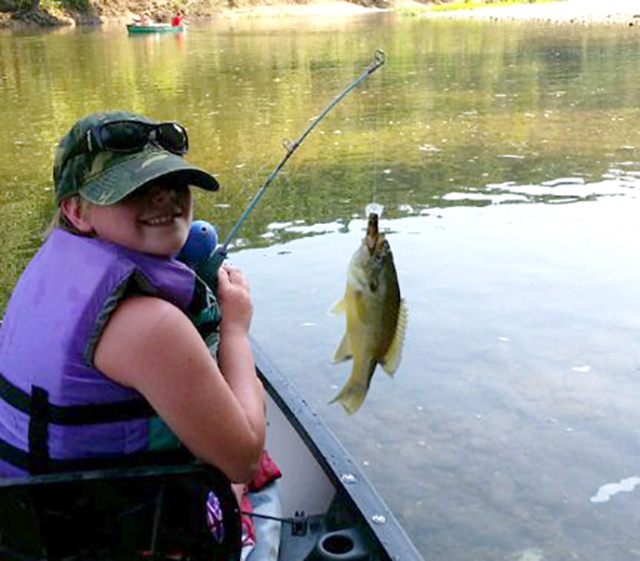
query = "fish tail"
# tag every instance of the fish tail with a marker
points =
(355, 390)
(351, 396)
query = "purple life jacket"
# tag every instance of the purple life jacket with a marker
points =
(57, 411)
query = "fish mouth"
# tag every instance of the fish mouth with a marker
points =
(372, 231)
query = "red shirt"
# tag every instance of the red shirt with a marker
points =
(177, 20)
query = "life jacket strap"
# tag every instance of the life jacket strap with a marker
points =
(91, 414)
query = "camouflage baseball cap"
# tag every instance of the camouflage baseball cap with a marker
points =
(105, 177)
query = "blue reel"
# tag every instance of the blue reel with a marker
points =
(201, 243)
(201, 252)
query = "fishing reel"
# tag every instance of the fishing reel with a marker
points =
(202, 253)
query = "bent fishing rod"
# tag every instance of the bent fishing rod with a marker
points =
(201, 250)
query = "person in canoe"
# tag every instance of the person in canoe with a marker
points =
(105, 322)
(177, 20)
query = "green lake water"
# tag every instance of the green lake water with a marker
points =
(507, 159)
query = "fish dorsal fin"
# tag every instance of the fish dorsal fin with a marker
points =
(340, 307)
(392, 358)
(343, 352)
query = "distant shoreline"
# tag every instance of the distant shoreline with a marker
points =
(584, 12)
(163, 10)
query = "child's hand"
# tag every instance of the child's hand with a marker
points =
(234, 298)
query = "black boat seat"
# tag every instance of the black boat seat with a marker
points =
(131, 514)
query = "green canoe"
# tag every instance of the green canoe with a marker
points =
(134, 28)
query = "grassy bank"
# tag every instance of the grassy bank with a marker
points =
(472, 4)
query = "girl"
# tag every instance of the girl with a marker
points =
(99, 325)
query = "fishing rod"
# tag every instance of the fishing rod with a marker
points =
(201, 250)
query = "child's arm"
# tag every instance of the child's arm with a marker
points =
(216, 411)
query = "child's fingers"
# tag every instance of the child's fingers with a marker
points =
(235, 275)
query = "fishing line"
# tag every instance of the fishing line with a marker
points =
(373, 207)
(290, 148)
(211, 263)
(376, 145)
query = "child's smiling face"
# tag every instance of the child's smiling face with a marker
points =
(153, 220)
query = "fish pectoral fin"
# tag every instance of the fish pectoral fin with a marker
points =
(391, 359)
(343, 352)
(340, 307)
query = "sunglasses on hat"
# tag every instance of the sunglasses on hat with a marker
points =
(132, 136)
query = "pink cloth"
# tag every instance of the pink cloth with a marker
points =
(267, 472)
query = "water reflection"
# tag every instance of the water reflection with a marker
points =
(506, 157)
(554, 191)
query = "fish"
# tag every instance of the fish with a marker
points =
(376, 316)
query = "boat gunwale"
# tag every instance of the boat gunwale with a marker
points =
(336, 462)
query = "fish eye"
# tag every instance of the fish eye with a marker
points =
(381, 254)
